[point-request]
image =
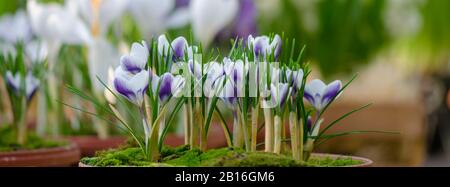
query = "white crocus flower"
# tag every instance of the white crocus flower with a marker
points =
(15, 28)
(208, 17)
(151, 15)
(57, 23)
(100, 14)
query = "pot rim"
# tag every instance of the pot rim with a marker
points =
(69, 146)
(365, 161)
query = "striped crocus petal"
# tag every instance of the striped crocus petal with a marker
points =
(163, 46)
(313, 93)
(330, 92)
(31, 85)
(13, 81)
(137, 59)
(228, 93)
(275, 46)
(179, 46)
(177, 85)
(131, 86)
(165, 87)
(261, 46)
(279, 93)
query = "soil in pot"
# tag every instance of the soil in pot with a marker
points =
(36, 152)
(231, 157)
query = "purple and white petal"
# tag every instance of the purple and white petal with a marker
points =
(131, 86)
(31, 85)
(275, 46)
(179, 45)
(163, 45)
(165, 87)
(279, 93)
(331, 92)
(177, 85)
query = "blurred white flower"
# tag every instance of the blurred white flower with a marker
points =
(36, 51)
(102, 55)
(100, 14)
(15, 28)
(151, 15)
(57, 23)
(208, 17)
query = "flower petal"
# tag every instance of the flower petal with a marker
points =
(165, 87)
(330, 92)
(179, 45)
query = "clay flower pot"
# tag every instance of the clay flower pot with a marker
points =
(90, 144)
(47, 157)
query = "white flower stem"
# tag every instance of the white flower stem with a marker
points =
(237, 134)
(187, 125)
(194, 127)
(41, 125)
(21, 124)
(294, 135)
(255, 116)
(268, 130)
(145, 126)
(277, 134)
(300, 139)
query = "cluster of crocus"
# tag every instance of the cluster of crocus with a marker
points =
(248, 80)
(20, 69)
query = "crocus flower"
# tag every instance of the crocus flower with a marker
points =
(294, 78)
(209, 17)
(99, 15)
(155, 16)
(279, 93)
(137, 59)
(167, 86)
(263, 47)
(15, 81)
(15, 28)
(58, 23)
(131, 86)
(319, 94)
(36, 51)
(177, 48)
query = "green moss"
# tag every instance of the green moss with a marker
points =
(327, 161)
(8, 141)
(182, 156)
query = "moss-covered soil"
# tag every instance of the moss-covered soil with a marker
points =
(8, 141)
(182, 156)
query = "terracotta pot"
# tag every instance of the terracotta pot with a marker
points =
(90, 144)
(365, 161)
(49, 157)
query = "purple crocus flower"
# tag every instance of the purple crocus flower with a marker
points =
(279, 93)
(263, 47)
(137, 59)
(177, 48)
(167, 86)
(294, 78)
(213, 82)
(235, 73)
(131, 86)
(14, 83)
(319, 94)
